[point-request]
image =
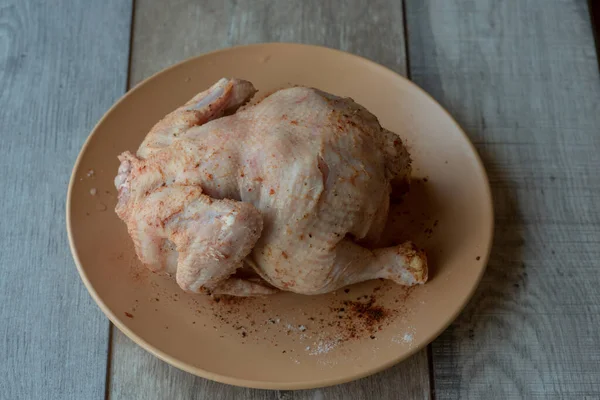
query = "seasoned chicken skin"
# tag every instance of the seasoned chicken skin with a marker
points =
(296, 187)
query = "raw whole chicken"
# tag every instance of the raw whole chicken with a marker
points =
(296, 188)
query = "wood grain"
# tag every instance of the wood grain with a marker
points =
(165, 35)
(61, 67)
(522, 79)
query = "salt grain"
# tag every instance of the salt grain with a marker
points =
(406, 338)
(93, 191)
(90, 173)
(323, 348)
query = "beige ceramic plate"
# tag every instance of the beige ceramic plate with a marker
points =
(289, 341)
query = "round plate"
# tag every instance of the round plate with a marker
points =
(289, 341)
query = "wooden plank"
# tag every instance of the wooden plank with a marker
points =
(521, 77)
(61, 68)
(165, 35)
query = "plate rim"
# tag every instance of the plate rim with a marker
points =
(262, 384)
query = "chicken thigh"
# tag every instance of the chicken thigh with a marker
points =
(296, 187)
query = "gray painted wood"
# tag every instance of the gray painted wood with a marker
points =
(164, 35)
(61, 67)
(522, 78)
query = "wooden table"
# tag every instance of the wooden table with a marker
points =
(522, 79)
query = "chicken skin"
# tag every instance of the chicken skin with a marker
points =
(296, 187)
